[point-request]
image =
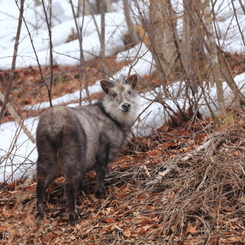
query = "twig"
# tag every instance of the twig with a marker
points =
(11, 77)
(79, 29)
(211, 145)
(48, 22)
(17, 118)
(159, 177)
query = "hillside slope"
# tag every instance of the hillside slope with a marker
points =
(159, 191)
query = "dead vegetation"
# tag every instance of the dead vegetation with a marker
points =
(185, 187)
(182, 185)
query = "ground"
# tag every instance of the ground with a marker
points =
(160, 190)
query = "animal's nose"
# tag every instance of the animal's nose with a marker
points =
(126, 106)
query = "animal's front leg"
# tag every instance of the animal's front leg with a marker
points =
(100, 166)
(100, 187)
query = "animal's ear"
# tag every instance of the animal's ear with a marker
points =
(132, 79)
(105, 85)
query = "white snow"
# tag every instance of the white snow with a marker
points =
(17, 153)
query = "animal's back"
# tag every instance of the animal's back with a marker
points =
(55, 124)
(86, 125)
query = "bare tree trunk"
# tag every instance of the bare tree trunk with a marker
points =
(86, 9)
(37, 3)
(226, 72)
(132, 32)
(108, 6)
(102, 38)
(192, 48)
(215, 74)
(162, 34)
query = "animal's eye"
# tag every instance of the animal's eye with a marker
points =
(129, 92)
(114, 95)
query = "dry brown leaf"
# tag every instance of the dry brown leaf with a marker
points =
(191, 229)
(108, 220)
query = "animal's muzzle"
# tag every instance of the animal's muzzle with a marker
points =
(126, 107)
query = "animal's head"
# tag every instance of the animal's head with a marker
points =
(120, 100)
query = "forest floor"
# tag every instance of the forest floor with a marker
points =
(184, 184)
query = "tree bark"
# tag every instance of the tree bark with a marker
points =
(162, 34)
(215, 75)
(192, 48)
(102, 38)
(132, 32)
(108, 6)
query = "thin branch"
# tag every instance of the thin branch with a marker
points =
(11, 77)
(18, 119)
(238, 23)
(82, 59)
(48, 22)
(36, 56)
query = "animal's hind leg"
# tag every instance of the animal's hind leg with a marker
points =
(45, 175)
(72, 162)
(73, 181)
(42, 185)
(71, 192)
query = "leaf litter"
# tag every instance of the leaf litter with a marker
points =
(200, 200)
(184, 184)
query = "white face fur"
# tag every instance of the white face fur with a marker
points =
(120, 101)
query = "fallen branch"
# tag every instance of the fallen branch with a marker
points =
(212, 144)
(161, 174)
(159, 177)
(17, 118)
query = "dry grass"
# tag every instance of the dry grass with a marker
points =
(198, 200)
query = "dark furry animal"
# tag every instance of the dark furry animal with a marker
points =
(73, 141)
